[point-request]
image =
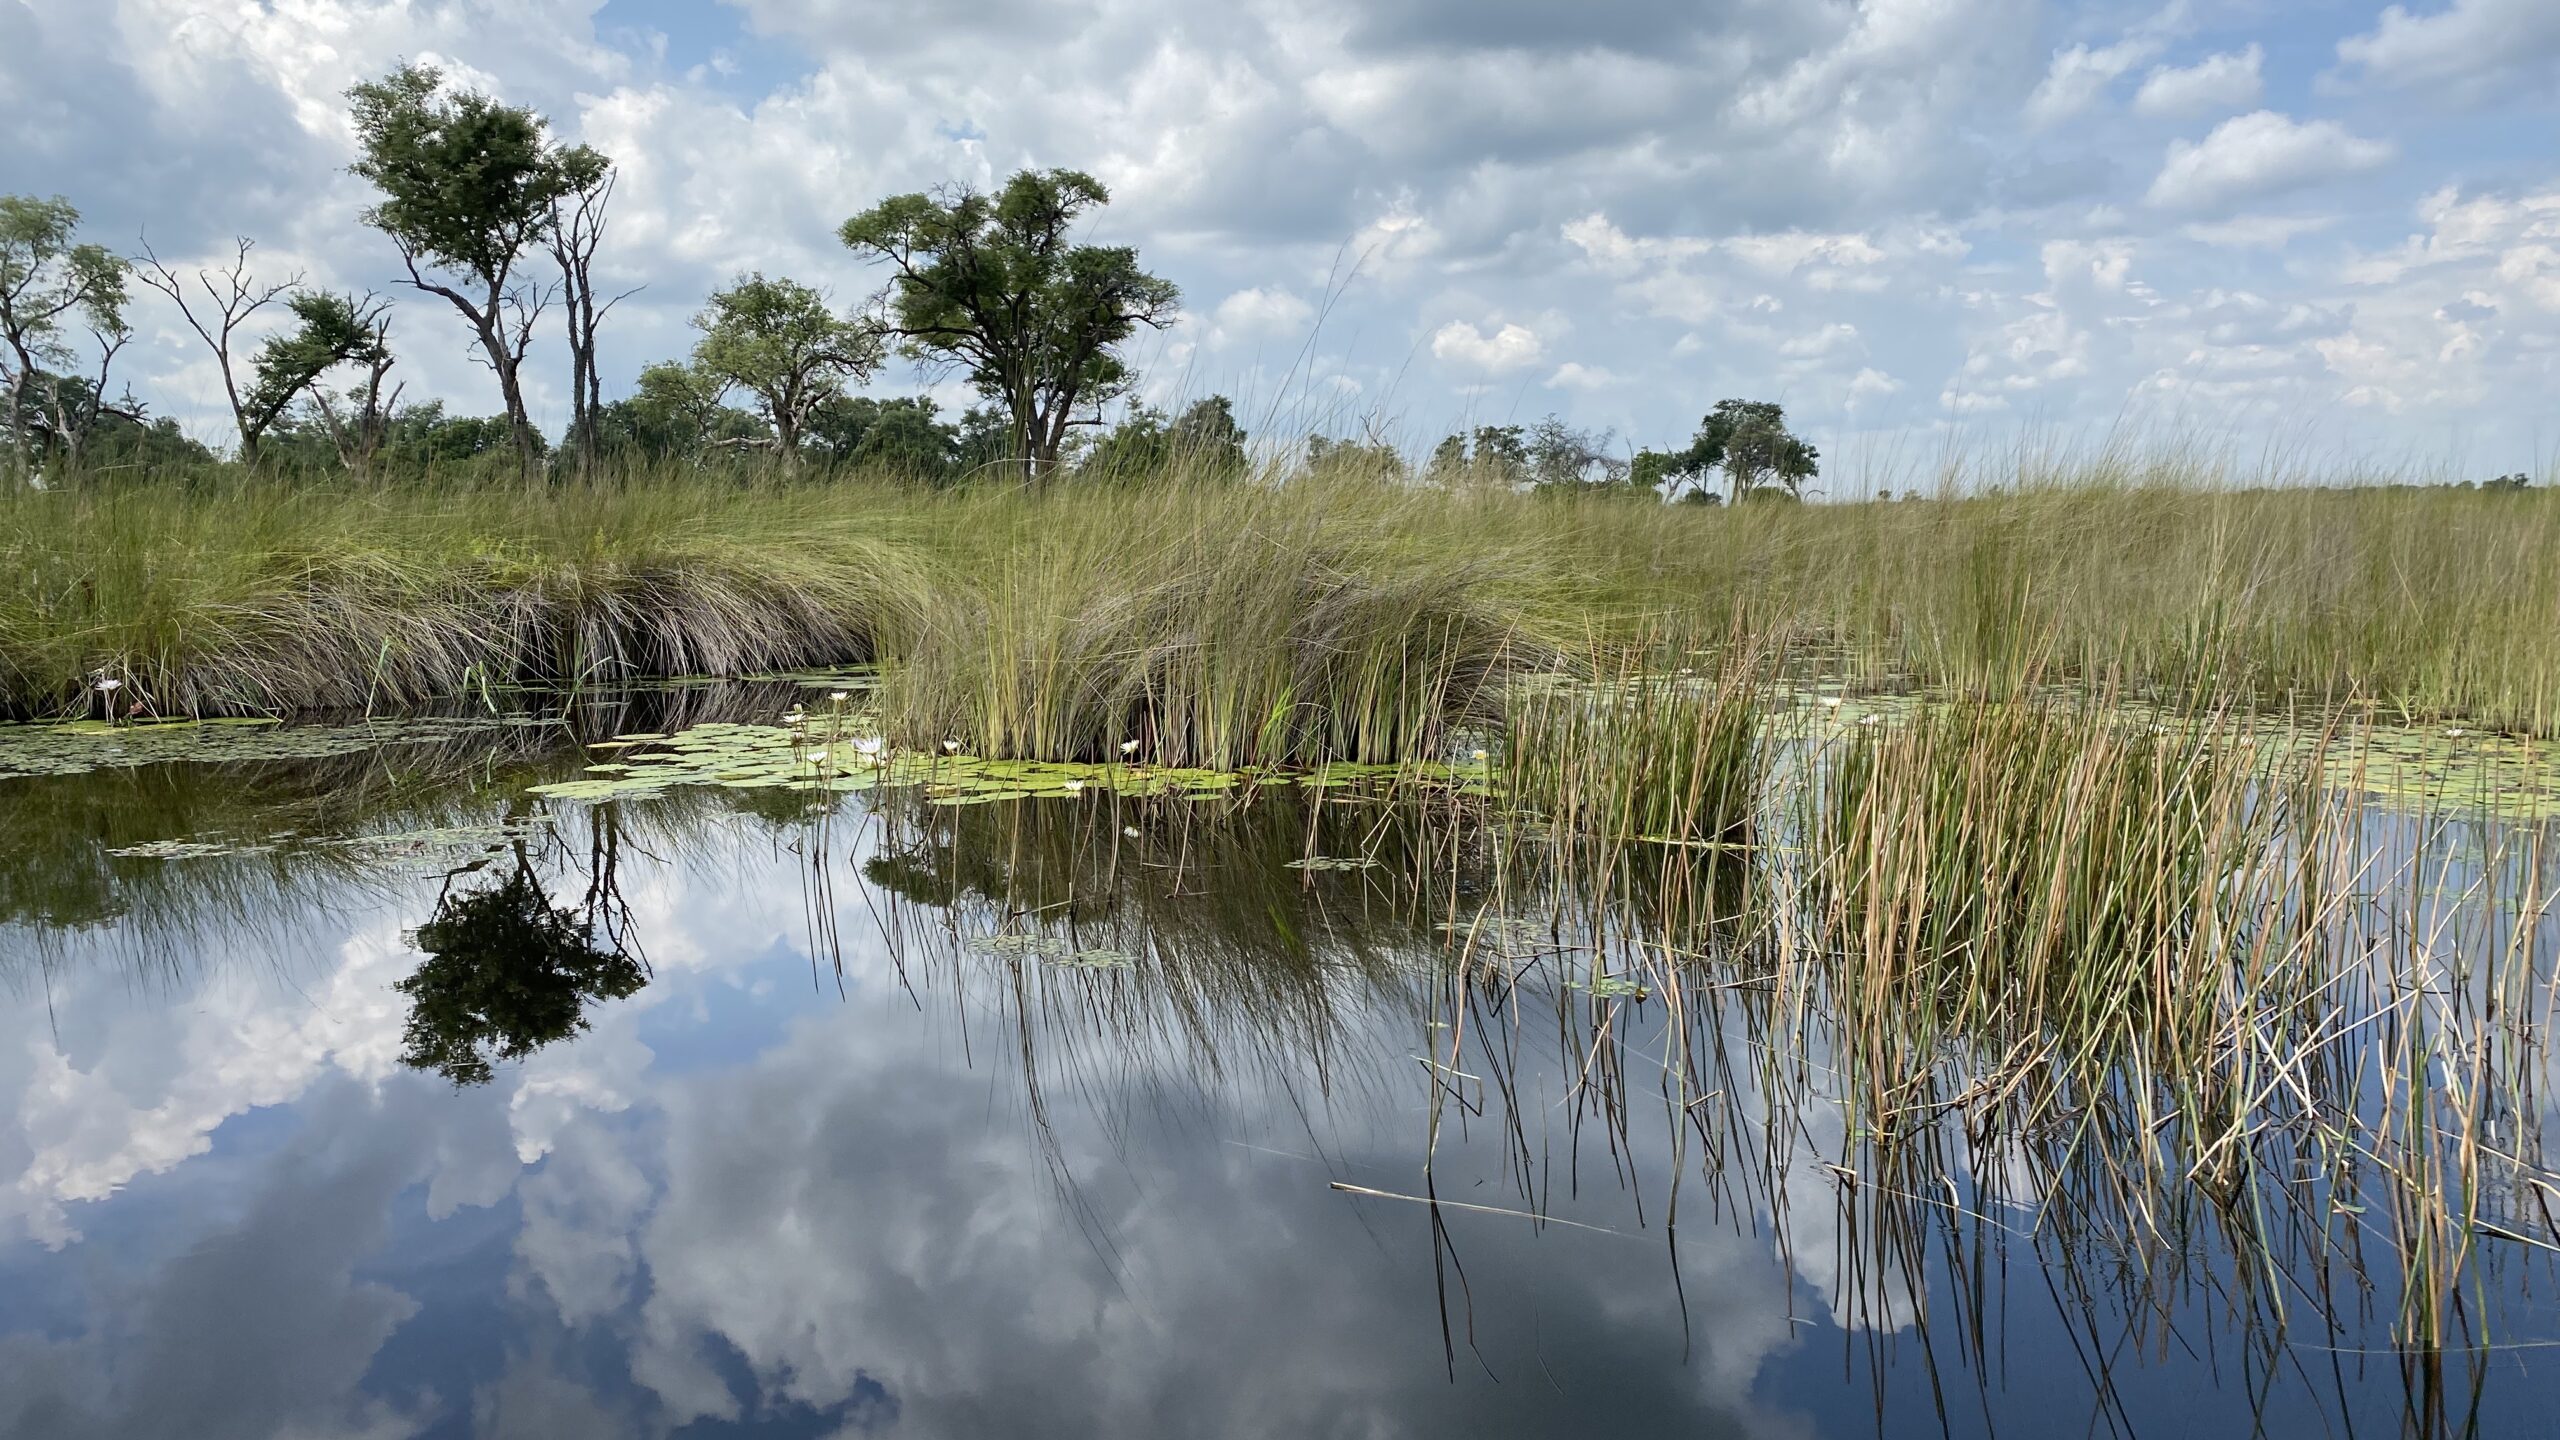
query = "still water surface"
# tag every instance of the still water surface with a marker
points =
(837, 1159)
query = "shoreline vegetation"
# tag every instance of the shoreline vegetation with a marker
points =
(1271, 619)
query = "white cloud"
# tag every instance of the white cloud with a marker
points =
(1502, 351)
(1870, 383)
(1260, 314)
(2256, 232)
(1574, 375)
(2079, 75)
(2253, 156)
(2226, 81)
(2468, 50)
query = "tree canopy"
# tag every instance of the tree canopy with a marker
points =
(1749, 441)
(49, 281)
(467, 186)
(778, 341)
(994, 286)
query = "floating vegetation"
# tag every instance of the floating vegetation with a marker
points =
(1097, 959)
(825, 753)
(1023, 947)
(1333, 862)
(81, 746)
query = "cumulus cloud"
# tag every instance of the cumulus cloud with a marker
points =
(2079, 75)
(2469, 50)
(1494, 352)
(2226, 81)
(1260, 313)
(2258, 155)
(1689, 171)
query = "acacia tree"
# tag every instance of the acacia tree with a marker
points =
(330, 331)
(778, 341)
(48, 282)
(231, 297)
(467, 187)
(993, 286)
(1750, 440)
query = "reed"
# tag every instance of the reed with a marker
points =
(1272, 618)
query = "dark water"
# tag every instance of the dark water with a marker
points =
(823, 1161)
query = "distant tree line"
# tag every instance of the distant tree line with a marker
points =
(498, 223)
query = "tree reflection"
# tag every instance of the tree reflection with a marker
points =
(508, 972)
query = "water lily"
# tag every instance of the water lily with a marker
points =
(1075, 787)
(1129, 830)
(820, 756)
(839, 696)
(108, 685)
(1870, 719)
(1128, 747)
(1479, 755)
(950, 747)
(867, 747)
(1830, 702)
(2455, 732)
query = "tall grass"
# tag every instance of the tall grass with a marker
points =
(1277, 618)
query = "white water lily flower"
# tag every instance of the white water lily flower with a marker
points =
(1830, 702)
(1073, 786)
(950, 747)
(1129, 830)
(1479, 754)
(840, 696)
(109, 686)
(866, 747)
(2455, 732)
(821, 755)
(1128, 747)
(1870, 719)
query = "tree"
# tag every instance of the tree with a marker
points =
(1206, 441)
(778, 341)
(359, 418)
(1135, 449)
(985, 443)
(1750, 441)
(1369, 458)
(231, 298)
(992, 286)
(672, 414)
(900, 436)
(330, 330)
(467, 186)
(575, 234)
(1561, 458)
(48, 282)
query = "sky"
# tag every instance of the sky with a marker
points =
(2322, 234)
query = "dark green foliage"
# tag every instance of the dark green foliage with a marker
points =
(778, 341)
(675, 414)
(467, 185)
(1207, 441)
(329, 330)
(901, 436)
(466, 182)
(49, 281)
(1750, 442)
(506, 974)
(992, 286)
(1136, 448)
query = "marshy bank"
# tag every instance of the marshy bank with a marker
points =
(1253, 622)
